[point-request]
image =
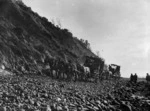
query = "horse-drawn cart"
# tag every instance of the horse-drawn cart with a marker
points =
(96, 65)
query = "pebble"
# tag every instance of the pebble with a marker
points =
(35, 94)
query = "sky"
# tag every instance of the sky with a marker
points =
(118, 29)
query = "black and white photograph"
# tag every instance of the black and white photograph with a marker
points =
(74, 55)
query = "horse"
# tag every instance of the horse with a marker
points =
(53, 68)
(106, 74)
(61, 69)
(86, 72)
(80, 72)
(74, 71)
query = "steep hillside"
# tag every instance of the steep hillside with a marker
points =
(27, 38)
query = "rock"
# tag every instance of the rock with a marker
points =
(37, 103)
(59, 108)
(22, 110)
(112, 108)
(61, 85)
(48, 108)
(98, 102)
(114, 102)
(105, 102)
(58, 99)
(31, 101)
(20, 105)
(95, 108)
(37, 110)
(125, 107)
(66, 108)
(3, 108)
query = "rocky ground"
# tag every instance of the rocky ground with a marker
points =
(41, 93)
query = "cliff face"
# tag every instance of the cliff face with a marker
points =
(27, 38)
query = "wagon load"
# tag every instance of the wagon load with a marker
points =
(96, 65)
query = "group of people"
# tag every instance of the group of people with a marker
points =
(133, 78)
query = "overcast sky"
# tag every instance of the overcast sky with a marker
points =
(119, 29)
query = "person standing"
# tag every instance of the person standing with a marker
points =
(131, 78)
(135, 78)
(147, 77)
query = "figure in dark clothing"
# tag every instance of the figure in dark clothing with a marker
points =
(147, 77)
(135, 78)
(131, 78)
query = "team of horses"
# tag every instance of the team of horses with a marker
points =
(68, 70)
(59, 69)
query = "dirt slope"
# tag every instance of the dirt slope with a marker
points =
(27, 38)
